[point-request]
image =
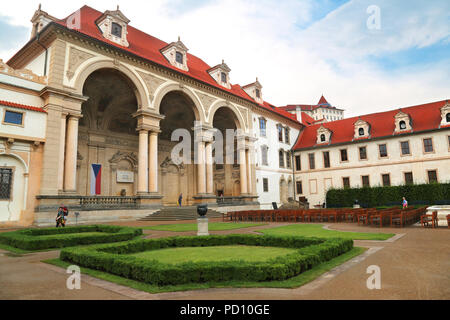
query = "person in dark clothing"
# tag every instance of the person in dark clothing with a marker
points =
(61, 216)
(180, 199)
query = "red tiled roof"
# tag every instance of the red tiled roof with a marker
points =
(21, 106)
(423, 117)
(148, 47)
(322, 101)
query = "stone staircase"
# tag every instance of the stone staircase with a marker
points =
(179, 213)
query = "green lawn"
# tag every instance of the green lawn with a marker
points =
(294, 282)
(316, 230)
(215, 253)
(213, 226)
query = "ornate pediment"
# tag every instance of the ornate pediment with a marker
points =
(129, 156)
(76, 58)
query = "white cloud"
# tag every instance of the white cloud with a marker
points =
(261, 38)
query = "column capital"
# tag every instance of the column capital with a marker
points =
(148, 128)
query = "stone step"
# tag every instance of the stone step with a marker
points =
(179, 213)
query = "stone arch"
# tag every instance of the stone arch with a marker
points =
(240, 123)
(86, 70)
(17, 158)
(164, 89)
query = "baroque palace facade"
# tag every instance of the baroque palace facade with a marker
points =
(89, 105)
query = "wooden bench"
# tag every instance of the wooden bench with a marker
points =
(429, 219)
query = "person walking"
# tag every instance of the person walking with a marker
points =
(404, 203)
(180, 199)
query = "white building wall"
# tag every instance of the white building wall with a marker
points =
(272, 171)
(394, 164)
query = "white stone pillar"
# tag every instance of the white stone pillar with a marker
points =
(70, 163)
(153, 162)
(243, 171)
(62, 149)
(209, 169)
(201, 170)
(249, 171)
(143, 162)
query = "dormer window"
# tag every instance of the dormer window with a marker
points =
(113, 25)
(362, 129)
(116, 30)
(323, 135)
(445, 114)
(257, 93)
(179, 57)
(254, 91)
(402, 122)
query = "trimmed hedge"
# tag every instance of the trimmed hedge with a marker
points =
(417, 194)
(38, 239)
(111, 258)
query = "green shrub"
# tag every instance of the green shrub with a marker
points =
(38, 239)
(420, 194)
(111, 258)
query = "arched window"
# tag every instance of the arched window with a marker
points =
(361, 131)
(447, 117)
(322, 138)
(281, 156)
(402, 125)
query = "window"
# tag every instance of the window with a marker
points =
(365, 181)
(286, 135)
(383, 150)
(322, 138)
(12, 117)
(346, 182)
(326, 159)
(281, 158)
(179, 57)
(280, 133)
(116, 30)
(361, 131)
(262, 127)
(298, 163)
(288, 159)
(448, 137)
(299, 187)
(447, 117)
(258, 93)
(405, 147)
(312, 164)
(402, 125)
(362, 153)
(344, 156)
(265, 185)
(409, 178)
(432, 176)
(223, 77)
(428, 145)
(264, 150)
(386, 179)
(5, 183)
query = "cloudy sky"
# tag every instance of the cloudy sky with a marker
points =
(364, 56)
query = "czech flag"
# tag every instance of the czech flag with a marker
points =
(96, 179)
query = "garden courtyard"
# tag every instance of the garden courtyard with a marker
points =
(414, 263)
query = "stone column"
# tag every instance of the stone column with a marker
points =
(243, 171)
(62, 144)
(249, 171)
(70, 163)
(201, 170)
(209, 169)
(153, 162)
(143, 162)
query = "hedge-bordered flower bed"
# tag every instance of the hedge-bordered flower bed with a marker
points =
(111, 258)
(48, 238)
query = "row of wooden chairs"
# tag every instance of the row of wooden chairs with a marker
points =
(380, 218)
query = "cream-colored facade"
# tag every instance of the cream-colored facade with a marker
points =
(106, 106)
(316, 182)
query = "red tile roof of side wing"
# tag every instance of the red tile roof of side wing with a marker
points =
(148, 47)
(423, 117)
(322, 100)
(21, 106)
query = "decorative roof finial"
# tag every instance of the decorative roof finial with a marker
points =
(117, 7)
(39, 8)
(223, 61)
(179, 38)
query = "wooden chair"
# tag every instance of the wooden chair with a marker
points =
(429, 219)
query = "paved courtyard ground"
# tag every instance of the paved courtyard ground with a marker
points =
(415, 264)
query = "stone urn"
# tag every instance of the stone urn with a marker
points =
(202, 209)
